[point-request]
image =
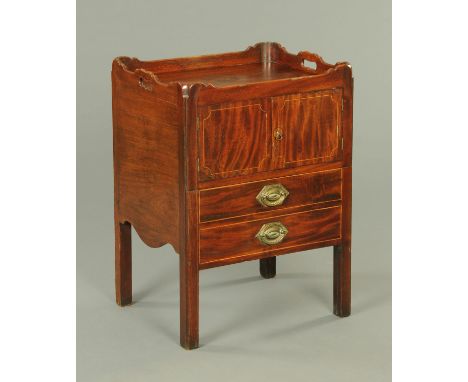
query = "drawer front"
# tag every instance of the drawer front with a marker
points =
(252, 239)
(273, 194)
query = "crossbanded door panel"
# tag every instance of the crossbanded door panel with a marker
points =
(307, 128)
(233, 139)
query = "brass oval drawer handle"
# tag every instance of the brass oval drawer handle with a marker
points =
(272, 233)
(272, 195)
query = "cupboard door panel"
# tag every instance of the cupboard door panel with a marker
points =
(234, 139)
(307, 128)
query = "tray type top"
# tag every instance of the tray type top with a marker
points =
(262, 62)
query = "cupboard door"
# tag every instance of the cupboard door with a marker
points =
(234, 139)
(307, 128)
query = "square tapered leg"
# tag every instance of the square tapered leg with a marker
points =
(268, 267)
(342, 280)
(123, 263)
(189, 289)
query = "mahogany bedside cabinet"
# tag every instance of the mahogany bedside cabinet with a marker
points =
(232, 157)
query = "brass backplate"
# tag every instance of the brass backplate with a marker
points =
(272, 233)
(272, 195)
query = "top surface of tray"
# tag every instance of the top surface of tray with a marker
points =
(234, 75)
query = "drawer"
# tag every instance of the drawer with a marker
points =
(273, 194)
(255, 238)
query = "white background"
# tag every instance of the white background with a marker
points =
(429, 190)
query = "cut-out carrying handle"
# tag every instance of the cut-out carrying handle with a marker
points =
(148, 80)
(321, 65)
(145, 79)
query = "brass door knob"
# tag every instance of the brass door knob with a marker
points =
(278, 135)
(272, 233)
(272, 195)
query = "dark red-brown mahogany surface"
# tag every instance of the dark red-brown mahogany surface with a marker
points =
(197, 139)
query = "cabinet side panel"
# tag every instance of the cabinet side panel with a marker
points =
(147, 122)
